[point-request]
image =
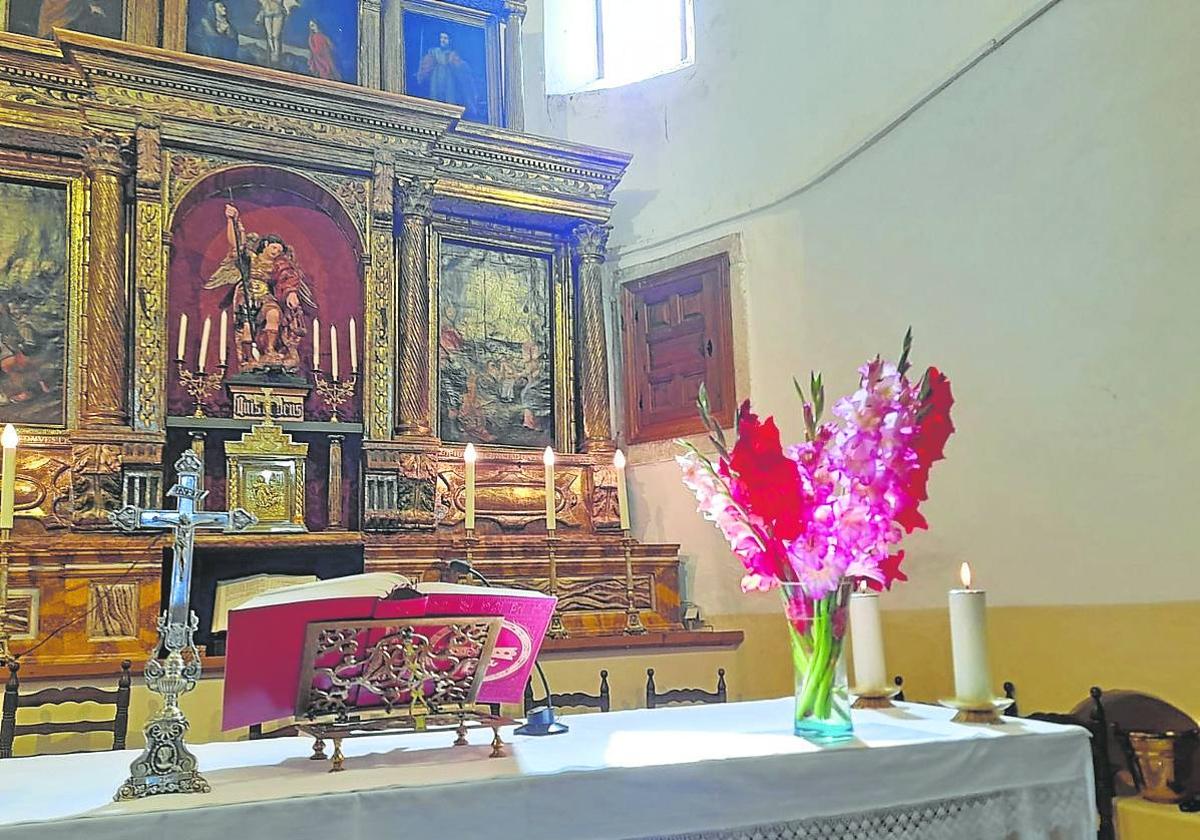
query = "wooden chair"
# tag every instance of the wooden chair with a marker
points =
(684, 695)
(599, 701)
(1089, 714)
(13, 700)
(899, 681)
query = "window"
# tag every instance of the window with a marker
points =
(678, 334)
(604, 43)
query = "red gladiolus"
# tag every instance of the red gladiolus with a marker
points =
(762, 479)
(891, 572)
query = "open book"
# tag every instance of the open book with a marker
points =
(265, 649)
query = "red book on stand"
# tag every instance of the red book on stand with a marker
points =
(265, 647)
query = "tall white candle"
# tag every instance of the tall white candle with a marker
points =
(469, 457)
(866, 641)
(224, 338)
(182, 336)
(968, 641)
(622, 490)
(8, 476)
(205, 331)
(333, 365)
(551, 502)
(353, 346)
(316, 344)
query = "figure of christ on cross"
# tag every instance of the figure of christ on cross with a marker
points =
(166, 765)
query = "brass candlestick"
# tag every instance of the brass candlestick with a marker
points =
(334, 392)
(976, 711)
(5, 548)
(557, 629)
(633, 619)
(470, 541)
(199, 384)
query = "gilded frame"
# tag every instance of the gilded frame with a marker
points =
(561, 307)
(268, 447)
(48, 173)
(489, 22)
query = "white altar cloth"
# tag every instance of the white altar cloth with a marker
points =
(722, 771)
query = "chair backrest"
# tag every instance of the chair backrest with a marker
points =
(684, 695)
(899, 681)
(14, 700)
(1091, 715)
(601, 701)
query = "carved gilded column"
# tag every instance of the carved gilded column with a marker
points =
(378, 384)
(514, 88)
(107, 313)
(590, 241)
(393, 47)
(412, 400)
(368, 43)
(149, 281)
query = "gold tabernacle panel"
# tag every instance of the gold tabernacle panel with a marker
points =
(266, 478)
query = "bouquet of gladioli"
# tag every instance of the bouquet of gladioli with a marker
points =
(819, 517)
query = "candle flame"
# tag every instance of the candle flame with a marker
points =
(548, 457)
(619, 460)
(469, 454)
(9, 439)
(964, 574)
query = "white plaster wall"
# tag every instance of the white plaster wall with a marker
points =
(1035, 223)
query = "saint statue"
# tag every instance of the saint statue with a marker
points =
(270, 296)
(447, 76)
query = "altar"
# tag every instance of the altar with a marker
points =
(720, 771)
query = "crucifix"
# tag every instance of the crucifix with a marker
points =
(166, 765)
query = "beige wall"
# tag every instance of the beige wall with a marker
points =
(1034, 221)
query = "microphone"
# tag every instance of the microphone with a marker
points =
(540, 720)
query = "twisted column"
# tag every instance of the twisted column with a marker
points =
(514, 89)
(590, 241)
(412, 403)
(105, 402)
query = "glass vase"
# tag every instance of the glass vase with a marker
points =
(817, 629)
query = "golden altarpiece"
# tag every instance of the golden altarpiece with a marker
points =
(435, 281)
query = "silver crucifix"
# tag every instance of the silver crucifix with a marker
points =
(166, 765)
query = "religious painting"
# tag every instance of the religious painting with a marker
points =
(495, 346)
(40, 18)
(34, 268)
(265, 275)
(452, 60)
(314, 37)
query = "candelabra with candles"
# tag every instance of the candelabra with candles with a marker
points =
(199, 384)
(331, 388)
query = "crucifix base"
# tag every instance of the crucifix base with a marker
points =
(166, 765)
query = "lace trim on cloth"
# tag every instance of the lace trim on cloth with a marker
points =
(1051, 812)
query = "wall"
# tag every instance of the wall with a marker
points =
(1033, 221)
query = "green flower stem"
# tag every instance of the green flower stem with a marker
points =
(815, 655)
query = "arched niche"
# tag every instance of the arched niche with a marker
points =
(327, 248)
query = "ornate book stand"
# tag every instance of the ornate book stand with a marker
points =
(373, 676)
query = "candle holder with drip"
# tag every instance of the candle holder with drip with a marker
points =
(335, 392)
(199, 385)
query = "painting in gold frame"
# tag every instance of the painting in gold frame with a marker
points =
(40, 18)
(500, 370)
(40, 239)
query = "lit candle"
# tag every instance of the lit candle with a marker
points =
(622, 490)
(968, 640)
(866, 640)
(204, 333)
(182, 336)
(224, 337)
(469, 458)
(548, 460)
(316, 344)
(353, 346)
(333, 365)
(8, 476)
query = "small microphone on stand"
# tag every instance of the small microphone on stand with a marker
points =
(539, 720)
